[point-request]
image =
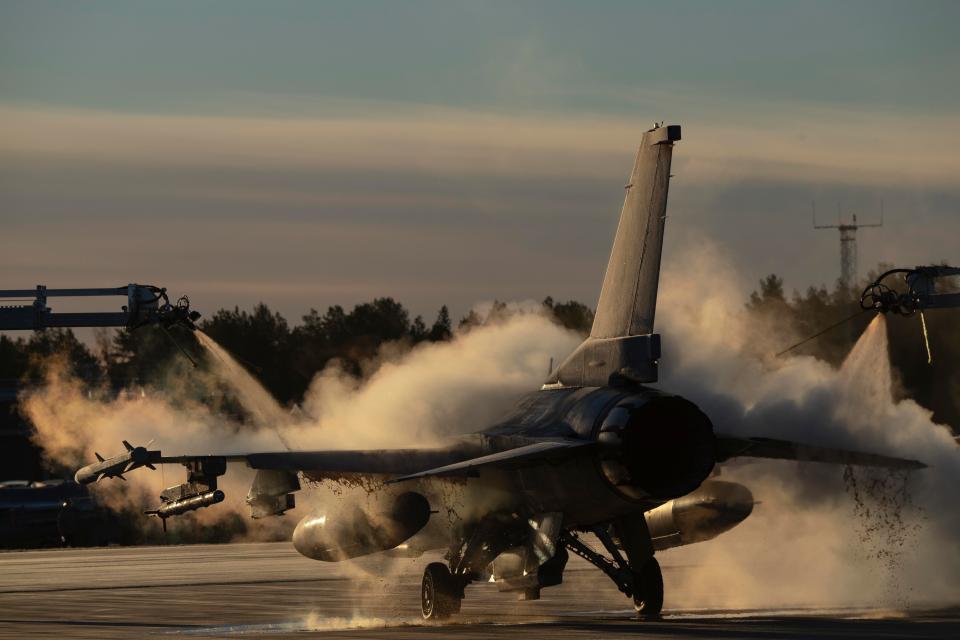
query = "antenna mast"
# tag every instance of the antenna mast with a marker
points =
(848, 243)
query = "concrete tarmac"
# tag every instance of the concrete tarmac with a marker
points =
(268, 590)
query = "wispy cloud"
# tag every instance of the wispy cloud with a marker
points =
(439, 205)
(796, 144)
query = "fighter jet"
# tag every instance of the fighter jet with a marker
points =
(594, 450)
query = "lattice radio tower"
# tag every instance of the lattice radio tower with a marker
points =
(848, 243)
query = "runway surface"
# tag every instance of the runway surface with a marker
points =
(268, 590)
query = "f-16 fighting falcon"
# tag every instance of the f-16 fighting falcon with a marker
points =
(594, 450)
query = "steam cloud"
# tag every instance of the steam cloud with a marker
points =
(807, 543)
(417, 398)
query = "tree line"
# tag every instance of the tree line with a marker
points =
(285, 358)
(282, 357)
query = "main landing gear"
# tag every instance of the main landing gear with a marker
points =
(637, 575)
(440, 592)
(648, 590)
(643, 585)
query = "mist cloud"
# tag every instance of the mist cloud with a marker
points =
(414, 398)
(895, 547)
(808, 542)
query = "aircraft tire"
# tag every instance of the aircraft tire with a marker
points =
(439, 596)
(648, 581)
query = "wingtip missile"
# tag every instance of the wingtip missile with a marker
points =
(115, 467)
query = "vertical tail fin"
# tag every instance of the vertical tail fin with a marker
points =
(622, 342)
(628, 299)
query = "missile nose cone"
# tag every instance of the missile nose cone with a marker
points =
(353, 531)
(87, 474)
(725, 504)
(307, 533)
(739, 500)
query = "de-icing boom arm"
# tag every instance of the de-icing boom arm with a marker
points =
(921, 291)
(921, 294)
(146, 304)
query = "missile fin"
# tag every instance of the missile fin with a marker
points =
(128, 445)
(99, 457)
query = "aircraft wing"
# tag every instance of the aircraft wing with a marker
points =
(382, 462)
(460, 459)
(732, 447)
(546, 451)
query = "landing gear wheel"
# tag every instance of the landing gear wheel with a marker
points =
(648, 582)
(440, 596)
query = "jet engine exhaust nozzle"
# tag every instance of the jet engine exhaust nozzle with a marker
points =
(666, 448)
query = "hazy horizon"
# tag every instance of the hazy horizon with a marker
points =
(306, 155)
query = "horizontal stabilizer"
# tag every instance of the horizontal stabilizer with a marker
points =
(732, 447)
(551, 450)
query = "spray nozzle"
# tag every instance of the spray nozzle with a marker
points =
(180, 313)
(920, 291)
(920, 294)
(177, 315)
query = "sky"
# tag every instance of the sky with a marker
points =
(306, 154)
